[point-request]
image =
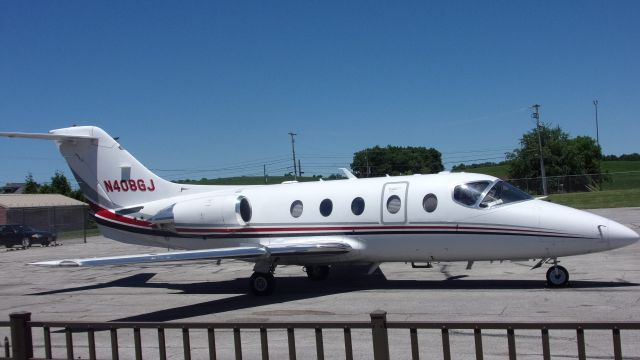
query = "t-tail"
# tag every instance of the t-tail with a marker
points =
(107, 174)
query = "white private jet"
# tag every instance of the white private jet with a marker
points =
(419, 218)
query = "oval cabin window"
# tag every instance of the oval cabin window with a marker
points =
(357, 206)
(326, 207)
(296, 208)
(394, 204)
(430, 203)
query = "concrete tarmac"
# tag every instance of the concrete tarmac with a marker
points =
(604, 287)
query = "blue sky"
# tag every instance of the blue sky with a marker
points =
(204, 85)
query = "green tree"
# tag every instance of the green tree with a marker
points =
(396, 160)
(576, 161)
(31, 186)
(60, 184)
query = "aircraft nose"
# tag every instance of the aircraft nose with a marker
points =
(620, 235)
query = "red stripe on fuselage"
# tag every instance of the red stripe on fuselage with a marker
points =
(112, 216)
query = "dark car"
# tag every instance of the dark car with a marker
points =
(24, 236)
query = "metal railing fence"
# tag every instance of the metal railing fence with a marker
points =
(23, 329)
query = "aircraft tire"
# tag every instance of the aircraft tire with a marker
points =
(262, 283)
(557, 276)
(317, 272)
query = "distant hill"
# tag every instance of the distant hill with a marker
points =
(616, 167)
(623, 174)
(502, 170)
(497, 170)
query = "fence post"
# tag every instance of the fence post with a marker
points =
(21, 340)
(84, 223)
(380, 337)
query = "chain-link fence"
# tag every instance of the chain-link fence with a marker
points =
(55, 219)
(579, 183)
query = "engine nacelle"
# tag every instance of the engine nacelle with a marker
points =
(231, 210)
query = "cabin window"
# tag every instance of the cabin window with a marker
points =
(503, 193)
(326, 206)
(296, 208)
(245, 210)
(394, 204)
(429, 203)
(357, 206)
(469, 194)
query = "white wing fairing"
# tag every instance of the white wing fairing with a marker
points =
(246, 252)
(439, 217)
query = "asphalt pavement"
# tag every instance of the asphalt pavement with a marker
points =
(604, 287)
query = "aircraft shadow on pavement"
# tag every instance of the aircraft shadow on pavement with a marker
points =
(298, 288)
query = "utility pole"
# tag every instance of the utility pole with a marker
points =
(366, 157)
(536, 115)
(264, 171)
(299, 168)
(293, 152)
(595, 103)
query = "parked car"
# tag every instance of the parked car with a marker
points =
(24, 236)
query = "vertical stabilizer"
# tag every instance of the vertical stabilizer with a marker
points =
(108, 175)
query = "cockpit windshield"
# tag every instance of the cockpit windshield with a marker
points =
(503, 193)
(469, 193)
(500, 193)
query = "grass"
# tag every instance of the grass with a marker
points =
(620, 166)
(501, 171)
(599, 199)
(623, 175)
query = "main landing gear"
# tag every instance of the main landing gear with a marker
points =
(262, 282)
(317, 272)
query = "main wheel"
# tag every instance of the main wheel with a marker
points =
(262, 283)
(317, 272)
(557, 276)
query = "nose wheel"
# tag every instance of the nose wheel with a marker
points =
(557, 276)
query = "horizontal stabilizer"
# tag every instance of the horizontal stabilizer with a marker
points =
(46, 136)
(246, 252)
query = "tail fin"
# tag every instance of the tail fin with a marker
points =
(107, 174)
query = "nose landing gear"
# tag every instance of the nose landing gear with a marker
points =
(557, 276)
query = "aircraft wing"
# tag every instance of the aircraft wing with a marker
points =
(245, 252)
